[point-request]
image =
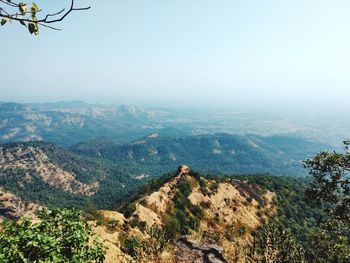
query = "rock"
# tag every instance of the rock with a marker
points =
(183, 170)
(12, 207)
(189, 252)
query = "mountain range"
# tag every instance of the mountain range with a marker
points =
(70, 123)
(103, 173)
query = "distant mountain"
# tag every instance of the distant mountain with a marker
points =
(68, 123)
(217, 153)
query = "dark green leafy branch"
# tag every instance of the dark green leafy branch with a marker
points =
(26, 15)
(60, 236)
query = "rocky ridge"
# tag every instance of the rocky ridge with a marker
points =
(227, 210)
(33, 162)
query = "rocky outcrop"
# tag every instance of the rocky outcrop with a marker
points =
(33, 162)
(188, 251)
(183, 170)
(12, 207)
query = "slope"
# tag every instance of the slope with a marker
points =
(49, 175)
(210, 153)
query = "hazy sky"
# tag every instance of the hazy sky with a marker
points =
(201, 52)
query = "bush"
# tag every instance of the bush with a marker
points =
(60, 236)
(185, 187)
(205, 205)
(136, 223)
(172, 227)
(130, 209)
(241, 231)
(130, 245)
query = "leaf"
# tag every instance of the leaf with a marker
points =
(3, 21)
(35, 7)
(22, 8)
(22, 23)
(31, 28)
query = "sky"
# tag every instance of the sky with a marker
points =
(229, 53)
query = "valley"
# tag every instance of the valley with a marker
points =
(119, 166)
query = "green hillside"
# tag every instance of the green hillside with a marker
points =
(217, 153)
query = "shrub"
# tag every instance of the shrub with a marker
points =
(130, 209)
(196, 210)
(241, 231)
(185, 187)
(112, 223)
(136, 223)
(130, 245)
(172, 227)
(60, 236)
(205, 205)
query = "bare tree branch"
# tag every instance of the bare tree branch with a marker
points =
(27, 16)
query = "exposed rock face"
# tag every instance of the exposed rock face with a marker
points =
(12, 207)
(183, 170)
(189, 252)
(34, 162)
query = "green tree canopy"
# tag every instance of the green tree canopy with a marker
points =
(331, 183)
(330, 189)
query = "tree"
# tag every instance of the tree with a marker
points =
(330, 187)
(330, 244)
(330, 190)
(26, 15)
(59, 236)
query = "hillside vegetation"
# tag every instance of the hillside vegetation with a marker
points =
(217, 153)
(179, 218)
(101, 174)
(188, 217)
(50, 176)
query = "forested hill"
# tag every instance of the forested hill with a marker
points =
(48, 175)
(101, 173)
(217, 153)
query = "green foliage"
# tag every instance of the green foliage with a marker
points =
(197, 151)
(92, 214)
(130, 245)
(330, 190)
(184, 187)
(293, 210)
(331, 183)
(329, 244)
(184, 216)
(26, 15)
(139, 224)
(60, 236)
(274, 243)
(144, 250)
(241, 231)
(214, 187)
(112, 223)
(172, 227)
(115, 183)
(27, 18)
